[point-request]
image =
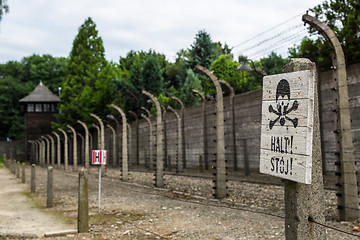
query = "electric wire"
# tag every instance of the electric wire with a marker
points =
(272, 34)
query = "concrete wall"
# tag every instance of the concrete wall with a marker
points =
(13, 149)
(247, 120)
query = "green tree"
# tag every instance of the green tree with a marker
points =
(224, 68)
(46, 68)
(342, 16)
(191, 82)
(4, 8)
(86, 83)
(18, 79)
(273, 64)
(176, 72)
(202, 52)
(11, 111)
(152, 76)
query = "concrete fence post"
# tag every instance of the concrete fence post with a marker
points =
(129, 134)
(305, 202)
(125, 166)
(114, 149)
(66, 152)
(205, 145)
(23, 172)
(47, 150)
(347, 186)
(18, 169)
(87, 150)
(179, 158)
(12, 167)
(33, 179)
(50, 190)
(52, 162)
(58, 149)
(159, 181)
(220, 178)
(137, 137)
(102, 138)
(233, 128)
(75, 156)
(182, 116)
(43, 153)
(83, 202)
(150, 162)
(81, 150)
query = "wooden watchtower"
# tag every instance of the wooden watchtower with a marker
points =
(40, 109)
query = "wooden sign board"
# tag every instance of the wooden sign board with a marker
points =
(287, 126)
(99, 157)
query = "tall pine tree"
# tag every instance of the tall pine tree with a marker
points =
(202, 51)
(87, 80)
(152, 77)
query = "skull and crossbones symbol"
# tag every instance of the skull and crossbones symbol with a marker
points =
(282, 91)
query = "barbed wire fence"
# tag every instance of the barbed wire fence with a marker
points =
(278, 39)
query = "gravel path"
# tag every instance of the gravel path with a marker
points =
(183, 210)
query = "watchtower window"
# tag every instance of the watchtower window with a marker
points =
(53, 107)
(30, 107)
(38, 107)
(46, 107)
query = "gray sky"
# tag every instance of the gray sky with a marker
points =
(50, 26)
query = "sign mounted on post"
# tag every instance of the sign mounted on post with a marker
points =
(287, 126)
(99, 157)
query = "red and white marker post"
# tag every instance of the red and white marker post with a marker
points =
(99, 158)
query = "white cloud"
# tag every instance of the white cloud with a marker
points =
(42, 26)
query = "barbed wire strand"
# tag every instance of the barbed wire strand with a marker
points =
(272, 28)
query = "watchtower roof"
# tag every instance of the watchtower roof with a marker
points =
(41, 94)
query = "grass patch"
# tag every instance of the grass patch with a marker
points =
(59, 215)
(31, 201)
(1, 162)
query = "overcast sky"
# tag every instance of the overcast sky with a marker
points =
(166, 26)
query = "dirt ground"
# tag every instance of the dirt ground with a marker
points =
(20, 217)
(136, 210)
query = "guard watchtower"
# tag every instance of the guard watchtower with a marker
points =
(40, 109)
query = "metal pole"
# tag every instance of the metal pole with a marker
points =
(99, 189)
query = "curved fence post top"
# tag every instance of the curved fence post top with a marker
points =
(179, 101)
(155, 100)
(206, 71)
(146, 110)
(231, 89)
(134, 114)
(82, 124)
(96, 116)
(174, 111)
(61, 130)
(71, 128)
(323, 28)
(45, 137)
(195, 91)
(50, 137)
(123, 116)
